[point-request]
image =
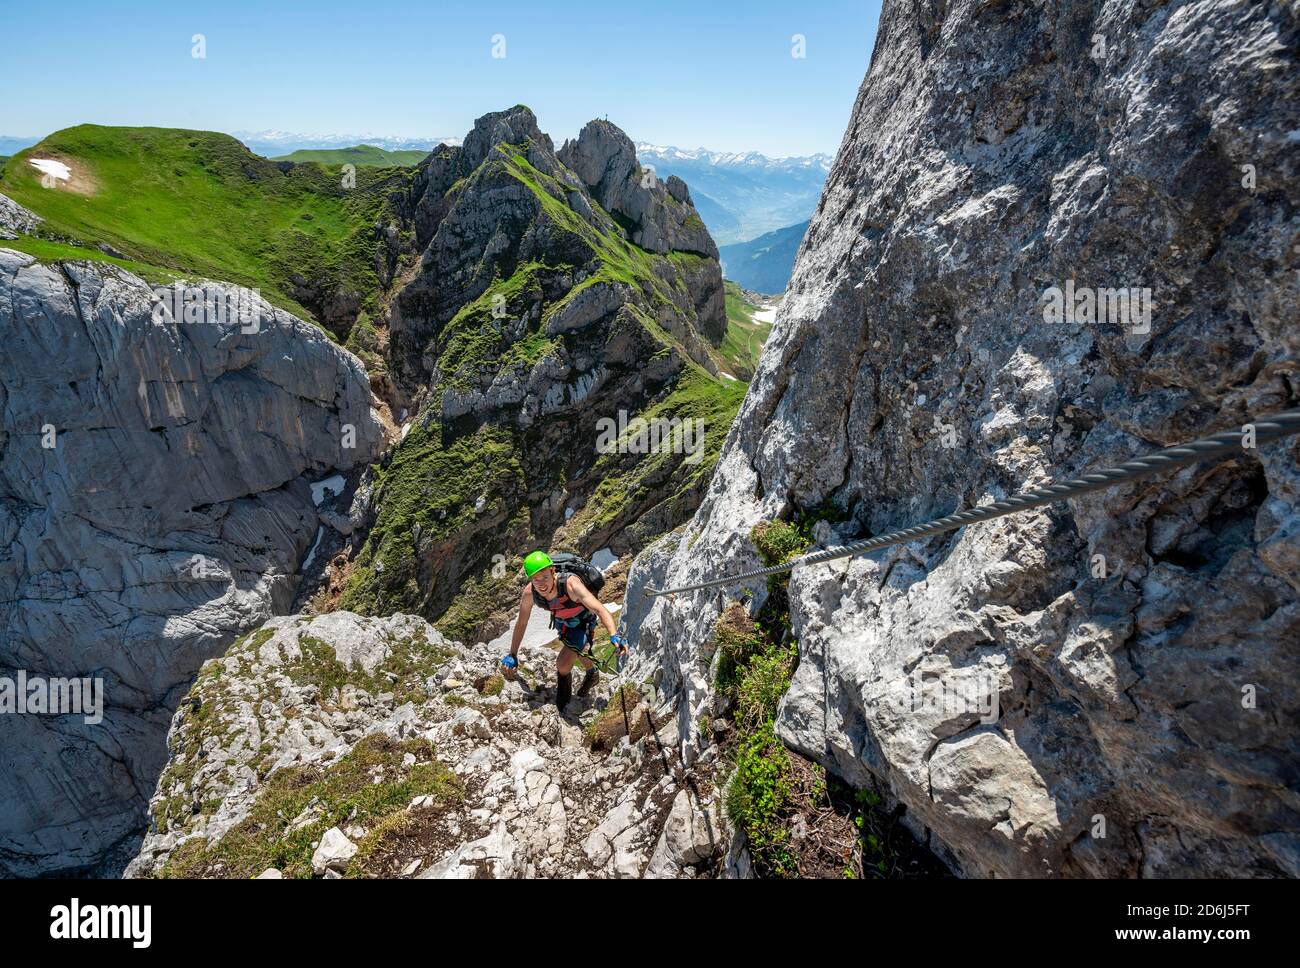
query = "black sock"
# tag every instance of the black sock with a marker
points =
(563, 690)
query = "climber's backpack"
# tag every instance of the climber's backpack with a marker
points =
(566, 565)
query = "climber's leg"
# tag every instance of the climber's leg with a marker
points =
(564, 661)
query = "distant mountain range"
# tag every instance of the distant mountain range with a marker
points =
(356, 155)
(272, 144)
(741, 195)
(10, 145)
(765, 263)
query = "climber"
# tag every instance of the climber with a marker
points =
(566, 588)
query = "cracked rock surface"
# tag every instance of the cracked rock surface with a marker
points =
(154, 503)
(531, 799)
(15, 220)
(1147, 699)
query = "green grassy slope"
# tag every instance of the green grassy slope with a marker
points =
(743, 344)
(47, 251)
(356, 155)
(198, 202)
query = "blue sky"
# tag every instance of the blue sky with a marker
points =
(716, 74)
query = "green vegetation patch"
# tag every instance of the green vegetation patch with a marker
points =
(368, 786)
(46, 251)
(759, 798)
(742, 345)
(427, 493)
(779, 542)
(627, 480)
(199, 203)
(475, 338)
(754, 663)
(479, 597)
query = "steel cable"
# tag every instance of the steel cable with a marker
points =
(1218, 446)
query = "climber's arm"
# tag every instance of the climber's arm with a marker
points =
(579, 592)
(521, 623)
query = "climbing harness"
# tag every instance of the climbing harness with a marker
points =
(1216, 447)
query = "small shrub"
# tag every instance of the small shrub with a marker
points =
(737, 639)
(490, 685)
(758, 798)
(779, 541)
(604, 732)
(765, 680)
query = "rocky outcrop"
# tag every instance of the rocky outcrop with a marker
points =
(662, 215)
(1106, 687)
(154, 503)
(659, 214)
(464, 775)
(537, 317)
(14, 219)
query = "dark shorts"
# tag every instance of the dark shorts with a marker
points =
(578, 637)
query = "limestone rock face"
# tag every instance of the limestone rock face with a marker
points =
(661, 214)
(15, 220)
(665, 218)
(154, 503)
(1104, 687)
(294, 704)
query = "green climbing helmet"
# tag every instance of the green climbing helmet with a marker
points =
(537, 561)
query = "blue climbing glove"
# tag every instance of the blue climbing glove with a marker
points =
(620, 643)
(510, 663)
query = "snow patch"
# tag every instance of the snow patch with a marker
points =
(55, 169)
(333, 484)
(537, 635)
(311, 555)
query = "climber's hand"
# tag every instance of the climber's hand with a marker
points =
(508, 666)
(619, 643)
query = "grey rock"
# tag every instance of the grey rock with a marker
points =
(912, 371)
(169, 515)
(664, 218)
(15, 220)
(492, 856)
(334, 852)
(693, 832)
(471, 722)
